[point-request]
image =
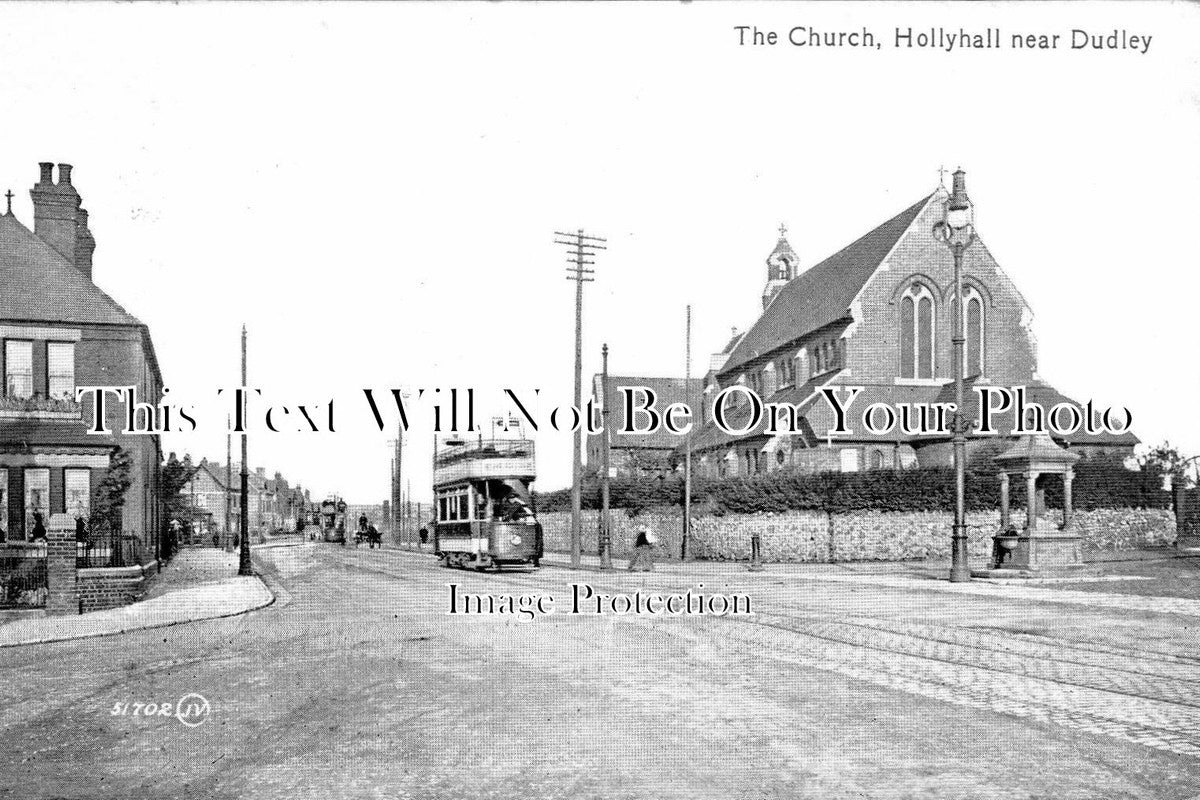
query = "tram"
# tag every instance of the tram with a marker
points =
(332, 520)
(484, 515)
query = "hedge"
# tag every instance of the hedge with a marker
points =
(1099, 483)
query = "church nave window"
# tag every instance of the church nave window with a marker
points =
(916, 333)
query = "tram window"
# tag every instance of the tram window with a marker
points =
(464, 507)
(442, 510)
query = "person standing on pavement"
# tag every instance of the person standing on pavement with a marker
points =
(643, 551)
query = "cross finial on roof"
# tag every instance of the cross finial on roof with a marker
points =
(9, 195)
(942, 176)
(782, 230)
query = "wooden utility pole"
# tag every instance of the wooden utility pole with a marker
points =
(228, 483)
(244, 567)
(605, 515)
(397, 490)
(582, 247)
(687, 460)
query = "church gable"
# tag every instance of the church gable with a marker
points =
(904, 315)
(819, 296)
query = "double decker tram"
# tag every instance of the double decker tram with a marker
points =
(333, 520)
(484, 516)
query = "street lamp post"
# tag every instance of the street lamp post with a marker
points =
(244, 567)
(957, 231)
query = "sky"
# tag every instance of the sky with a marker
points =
(373, 190)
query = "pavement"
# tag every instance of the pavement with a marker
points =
(844, 683)
(198, 583)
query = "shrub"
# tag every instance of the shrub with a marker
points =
(1099, 483)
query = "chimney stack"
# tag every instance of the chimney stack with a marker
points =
(58, 218)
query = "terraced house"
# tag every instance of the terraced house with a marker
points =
(59, 330)
(877, 314)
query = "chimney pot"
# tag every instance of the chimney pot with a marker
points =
(64, 174)
(47, 168)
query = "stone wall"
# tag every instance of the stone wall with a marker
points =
(110, 587)
(815, 536)
(556, 531)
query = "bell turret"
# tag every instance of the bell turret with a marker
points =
(781, 267)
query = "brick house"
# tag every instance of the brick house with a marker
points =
(876, 314)
(274, 505)
(630, 454)
(59, 330)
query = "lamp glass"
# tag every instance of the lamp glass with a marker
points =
(958, 218)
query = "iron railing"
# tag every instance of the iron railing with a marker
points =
(22, 576)
(124, 550)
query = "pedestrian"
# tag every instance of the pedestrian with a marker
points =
(373, 536)
(643, 551)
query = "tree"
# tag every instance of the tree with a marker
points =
(174, 476)
(109, 497)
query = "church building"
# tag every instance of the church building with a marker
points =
(877, 314)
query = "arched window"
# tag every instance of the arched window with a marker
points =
(785, 269)
(876, 459)
(976, 339)
(916, 333)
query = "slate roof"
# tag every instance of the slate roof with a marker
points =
(40, 285)
(666, 390)
(783, 248)
(823, 294)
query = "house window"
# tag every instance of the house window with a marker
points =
(976, 340)
(78, 492)
(916, 333)
(37, 498)
(877, 459)
(60, 368)
(18, 369)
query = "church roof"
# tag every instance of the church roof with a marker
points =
(40, 285)
(822, 294)
(782, 248)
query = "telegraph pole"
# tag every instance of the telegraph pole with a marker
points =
(605, 516)
(399, 527)
(228, 482)
(581, 248)
(687, 461)
(244, 557)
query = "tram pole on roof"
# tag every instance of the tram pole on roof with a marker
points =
(580, 248)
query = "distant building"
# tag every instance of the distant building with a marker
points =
(59, 330)
(632, 455)
(274, 505)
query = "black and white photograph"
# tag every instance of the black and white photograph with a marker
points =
(630, 401)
